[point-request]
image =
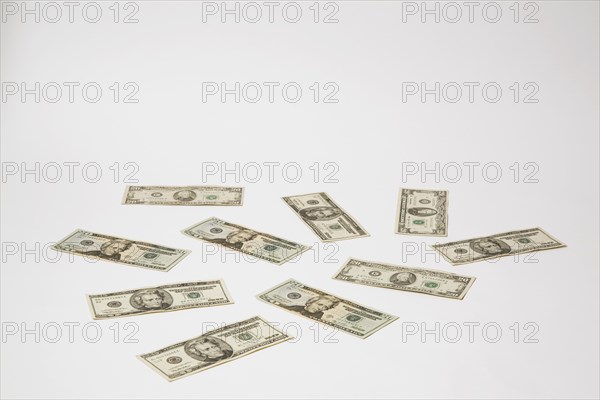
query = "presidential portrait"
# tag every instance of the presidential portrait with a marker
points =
(111, 250)
(320, 213)
(151, 299)
(316, 306)
(208, 349)
(403, 278)
(490, 246)
(184, 195)
(236, 239)
(422, 211)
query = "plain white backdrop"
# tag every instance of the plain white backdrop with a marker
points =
(365, 142)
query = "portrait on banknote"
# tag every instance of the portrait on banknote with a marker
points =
(315, 306)
(322, 213)
(236, 239)
(111, 250)
(403, 278)
(421, 211)
(151, 299)
(490, 246)
(184, 195)
(208, 349)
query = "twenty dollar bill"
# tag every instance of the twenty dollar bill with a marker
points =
(257, 244)
(501, 245)
(214, 348)
(320, 306)
(422, 212)
(94, 246)
(328, 220)
(184, 195)
(436, 283)
(173, 297)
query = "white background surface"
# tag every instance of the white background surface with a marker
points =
(368, 134)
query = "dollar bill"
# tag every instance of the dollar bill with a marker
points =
(501, 245)
(184, 195)
(157, 299)
(436, 283)
(214, 348)
(328, 220)
(323, 307)
(422, 212)
(95, 246)
(235, 237)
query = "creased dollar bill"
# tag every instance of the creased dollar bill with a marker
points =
(328, 220)
(501, 245)
(214, 348)
(235, 237)
(422, 212)
(323, 307)
(95, 246)
(436, 283)
(157, 299)
(184, 195)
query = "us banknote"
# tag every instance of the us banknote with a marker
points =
(328, 220)
(95, 246)
(501, 245)
(235, 237)
(323, 307)
(436, 283)
(173, 297)
(184, 195)
(422, 212)
(214, 348)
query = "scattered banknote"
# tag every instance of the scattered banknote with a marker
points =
(173, 297)
(422, 212)
(320, 306)
(95, 246)
(214, 348)
(257, 244)
(184, 195)
(328, 220)
(501, 245)
(436, 283)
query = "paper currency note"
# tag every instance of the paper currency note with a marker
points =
(214, 348)
(501, 245)
(328, 220)
(95, 246)
(436, 283)
(422, 212)
(257, 244)
(184, 195)
(173, 297)
(323, 307)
